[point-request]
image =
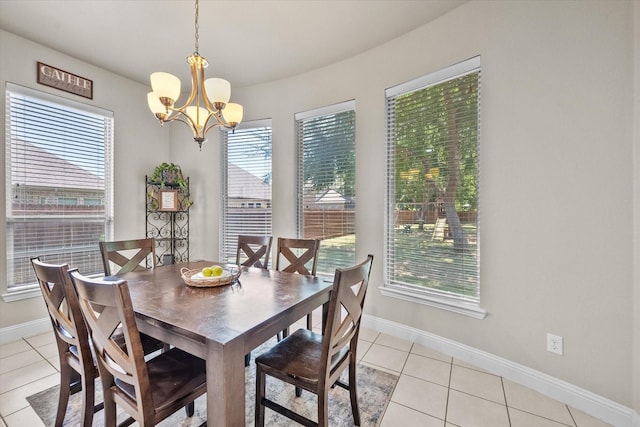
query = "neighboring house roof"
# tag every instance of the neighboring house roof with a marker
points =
(44, 169)
(328, 197)
(242, 184)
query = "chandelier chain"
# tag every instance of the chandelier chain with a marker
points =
(197, 27)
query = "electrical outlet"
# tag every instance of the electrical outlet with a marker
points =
(554, 344)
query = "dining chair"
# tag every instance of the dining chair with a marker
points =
(77, 368)
(253, 251)
(315, 362)
(149, 391)
(127, 255)
(294, 256)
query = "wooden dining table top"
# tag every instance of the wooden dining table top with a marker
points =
(221, 312)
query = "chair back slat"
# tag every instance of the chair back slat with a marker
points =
(254, 249)
(293, 255)
(127, 255)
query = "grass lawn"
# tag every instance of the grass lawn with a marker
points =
(420, 260)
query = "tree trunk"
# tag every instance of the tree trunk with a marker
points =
(449, 197)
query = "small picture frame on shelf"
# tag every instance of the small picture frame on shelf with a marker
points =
(168, 200)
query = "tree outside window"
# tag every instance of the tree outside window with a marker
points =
(432, 188)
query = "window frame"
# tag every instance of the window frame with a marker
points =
(223, 241)
(415, 293)
(20, 292)
(299, 117)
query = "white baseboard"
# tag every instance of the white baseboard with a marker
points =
(27, 329)
(597, 406)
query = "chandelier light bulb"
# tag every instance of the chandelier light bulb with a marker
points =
(218, 90)
(155, 105)
(198, 116)
(233, 113)
(165, 85)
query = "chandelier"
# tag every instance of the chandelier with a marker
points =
(208, 104)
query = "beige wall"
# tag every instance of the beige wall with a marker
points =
(557, 137)
(139, 143)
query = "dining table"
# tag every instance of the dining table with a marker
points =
(221, 324)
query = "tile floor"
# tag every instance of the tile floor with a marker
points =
(433, 389)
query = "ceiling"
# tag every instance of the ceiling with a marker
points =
(245, 41)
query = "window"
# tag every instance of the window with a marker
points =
(431, 241)
(326, 183)
(58, 155)
(247, 184)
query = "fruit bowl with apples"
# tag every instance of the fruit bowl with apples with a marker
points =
(214, 275)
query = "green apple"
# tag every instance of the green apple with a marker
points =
(216, 270)
(207, 272)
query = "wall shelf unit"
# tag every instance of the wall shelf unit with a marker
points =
(167, 220)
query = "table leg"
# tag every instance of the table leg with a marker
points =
(225, 385)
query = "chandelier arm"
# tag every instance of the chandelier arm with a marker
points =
(184, 118)
(177, 114)
(192, 95)
(218, 122)
(203, 88)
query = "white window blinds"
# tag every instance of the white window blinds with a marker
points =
(326, 183)
(58, 183)
(247, 185)
(432, 184)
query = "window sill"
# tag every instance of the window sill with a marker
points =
(443, 303)
(21, 294)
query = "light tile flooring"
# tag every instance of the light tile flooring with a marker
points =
(433, 389)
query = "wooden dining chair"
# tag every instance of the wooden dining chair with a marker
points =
(298, 256)
(149, 391)
(253, 251)
(127, 255)
(295, 255)
(314, 362)
(77, 368)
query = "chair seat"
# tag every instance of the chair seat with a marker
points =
(298, 356)
(172, 375)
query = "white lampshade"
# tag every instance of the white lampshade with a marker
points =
(218, 90)
(155, 105)
(198, 115)
(165, 85)
(232, 113)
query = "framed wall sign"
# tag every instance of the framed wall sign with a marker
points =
(168, 200)
(64, 80)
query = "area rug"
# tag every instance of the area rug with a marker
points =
(374, 392)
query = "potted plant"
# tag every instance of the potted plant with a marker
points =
(167, 174)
